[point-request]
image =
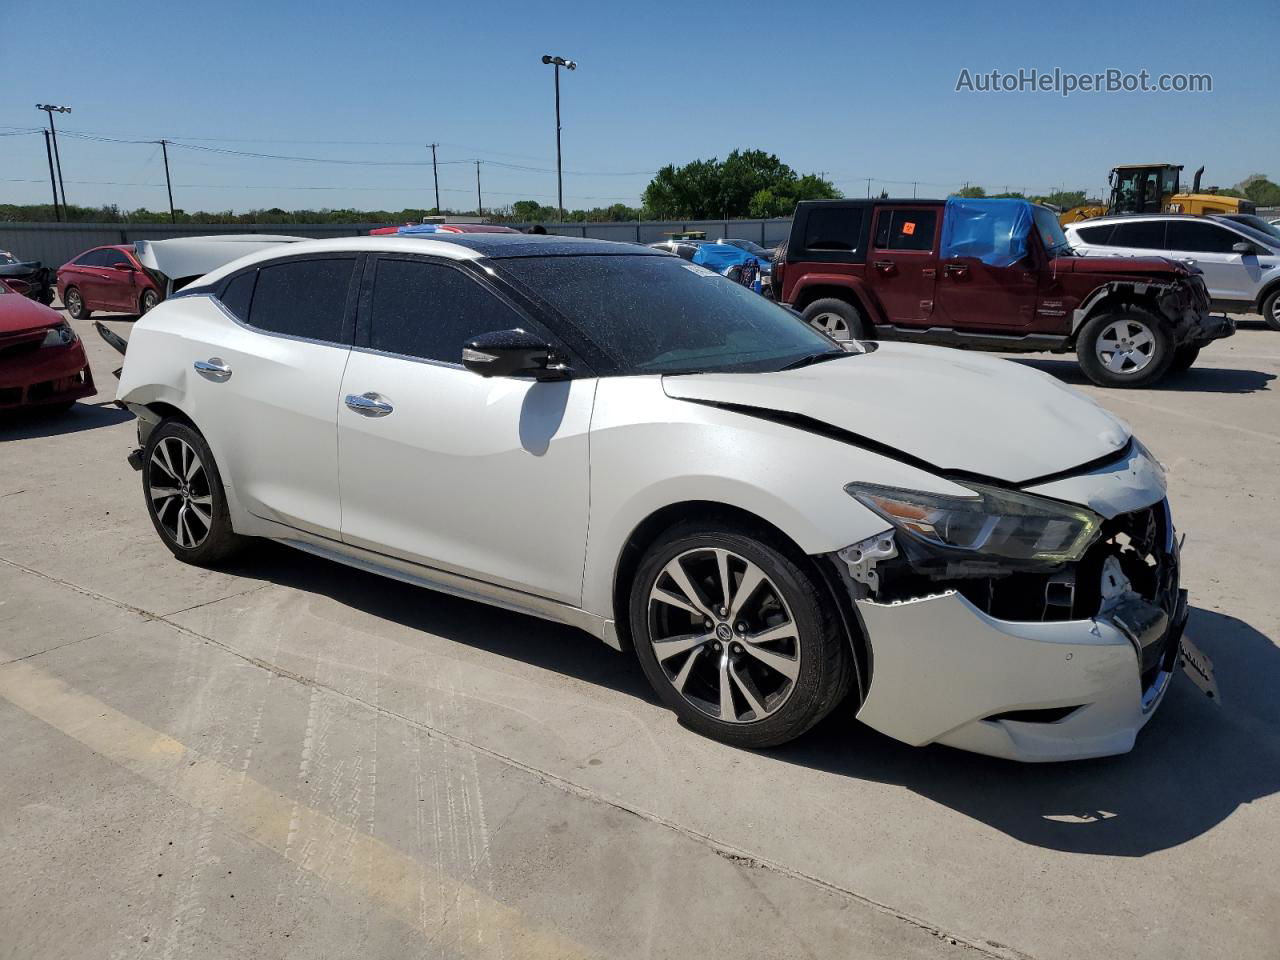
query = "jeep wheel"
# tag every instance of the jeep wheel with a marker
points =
(1271, 309)
(1128, 347)
(836, 318)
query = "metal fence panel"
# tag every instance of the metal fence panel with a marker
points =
(56, 243)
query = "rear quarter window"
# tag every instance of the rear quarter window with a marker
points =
(237, 295)
(836, 229)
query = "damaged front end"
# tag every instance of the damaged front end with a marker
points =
(1017, 626)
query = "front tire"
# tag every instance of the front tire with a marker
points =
(74, 302)
(838, 319)
(1126, 347)
(736, 638)
(1271, 309)
(184, 495)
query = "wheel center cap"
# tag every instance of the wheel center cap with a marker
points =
(724, 632)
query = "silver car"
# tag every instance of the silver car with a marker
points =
(1241, 265)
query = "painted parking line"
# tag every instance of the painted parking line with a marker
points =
(275, 821)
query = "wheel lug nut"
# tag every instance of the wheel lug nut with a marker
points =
(707, 624)
(742, 628)
(723, 611)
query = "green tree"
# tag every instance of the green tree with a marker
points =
(746, 183)
(971, 192)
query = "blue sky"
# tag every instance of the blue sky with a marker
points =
(854, 90)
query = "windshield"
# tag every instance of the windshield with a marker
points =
(651, 314)
(1051, 235)
(6, 257)
(1271, 233)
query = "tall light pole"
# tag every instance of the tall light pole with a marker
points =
(479, 201)
(435, 174)
(559, 62)
(164, 146)
(53, 183)
(51, 109)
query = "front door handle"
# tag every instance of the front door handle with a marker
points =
(957, 270)
(884, 266)
(213, 369)
(368, 404)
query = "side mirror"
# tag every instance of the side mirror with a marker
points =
(1244, 246)
(513, 353)
(123, 267)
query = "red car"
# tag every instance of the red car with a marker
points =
(107, 278)
(42, 361)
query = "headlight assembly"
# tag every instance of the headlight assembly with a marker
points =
(59, 336)
(993, 523)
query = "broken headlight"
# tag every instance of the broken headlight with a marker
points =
(993, 523)
(59, 336)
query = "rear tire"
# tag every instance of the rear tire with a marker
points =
(780, 648)
(73, 300)
(147, 301)
(1271, 309)
(837, 318)
(1125, 347)
(184, 495)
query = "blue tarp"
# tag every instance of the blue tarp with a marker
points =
(991, 230)
(721, 256)
(419, 228)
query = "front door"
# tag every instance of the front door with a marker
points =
(1207, 247)
(120, 284)
(973, 295)
(486, 478)
(903, 263)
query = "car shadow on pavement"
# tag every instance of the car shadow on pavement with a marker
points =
(1193, 765)
(1198, 379)
(28, 424)
(470, 623)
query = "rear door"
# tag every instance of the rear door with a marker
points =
(903, 262)
(1139, 238)
(1207, 246)
(483, 477)
(265, 388)
(91, 279)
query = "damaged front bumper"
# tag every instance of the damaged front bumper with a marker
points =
(944, 671)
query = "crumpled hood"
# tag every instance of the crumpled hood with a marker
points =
(1155, 267)
(954, 410)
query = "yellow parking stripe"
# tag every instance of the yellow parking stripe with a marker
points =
(266, 816)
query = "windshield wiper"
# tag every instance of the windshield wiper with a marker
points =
(816, 358)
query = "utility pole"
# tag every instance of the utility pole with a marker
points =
(479, 202)
(868, 188)
(557, 63)
(51, 109)
(435, 174)
(913, 188)
(164, 148)
(53, 183)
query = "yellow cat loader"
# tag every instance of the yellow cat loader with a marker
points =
(1154, 188)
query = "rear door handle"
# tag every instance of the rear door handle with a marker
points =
(368, 404)
(213, 369)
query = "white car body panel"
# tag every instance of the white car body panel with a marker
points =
(184, 257)
(525, 495)
(483, 477)
(960, 411)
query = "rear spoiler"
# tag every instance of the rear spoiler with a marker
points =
(173, 264)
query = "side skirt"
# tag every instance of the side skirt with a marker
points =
(949, 337)
(454, 584)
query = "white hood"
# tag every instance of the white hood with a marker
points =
(954, 410)
(184, 257)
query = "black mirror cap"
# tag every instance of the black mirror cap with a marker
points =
(513, 353)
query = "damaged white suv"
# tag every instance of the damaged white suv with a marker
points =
(615, 439)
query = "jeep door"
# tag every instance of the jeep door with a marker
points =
(974, 295)
(903, 262)
(483, 477)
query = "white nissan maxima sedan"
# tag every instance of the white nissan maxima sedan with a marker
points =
(605, 436)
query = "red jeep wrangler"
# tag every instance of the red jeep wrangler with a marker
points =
(990, 274)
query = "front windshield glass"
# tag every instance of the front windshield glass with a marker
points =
(652, 314)
(1051, 235)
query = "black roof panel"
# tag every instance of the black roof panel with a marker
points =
(499, 245)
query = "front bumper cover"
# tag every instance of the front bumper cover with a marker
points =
(945, 672)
